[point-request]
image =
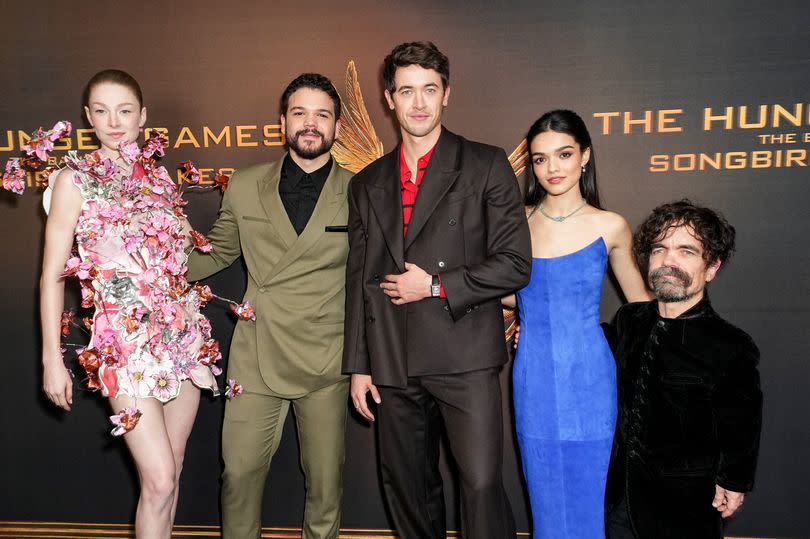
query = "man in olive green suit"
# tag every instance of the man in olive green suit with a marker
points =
(287, 219)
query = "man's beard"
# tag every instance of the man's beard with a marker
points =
(310, 152)
(668, 292)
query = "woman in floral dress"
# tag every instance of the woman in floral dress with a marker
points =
(150, 348)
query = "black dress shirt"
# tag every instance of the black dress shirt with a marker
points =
(299, 191)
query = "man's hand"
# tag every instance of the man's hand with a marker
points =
(727, 501)
(413, 285)
(362, 384)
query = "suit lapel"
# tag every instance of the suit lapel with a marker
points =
(441, 173)
(330, 201)
(273, 207)
(385, 196)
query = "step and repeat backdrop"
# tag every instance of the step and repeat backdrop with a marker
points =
(709, 101)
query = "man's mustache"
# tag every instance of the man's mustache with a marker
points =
(308, 132)
(670, 271)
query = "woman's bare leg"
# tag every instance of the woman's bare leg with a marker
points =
(151, 450)
(179, 415)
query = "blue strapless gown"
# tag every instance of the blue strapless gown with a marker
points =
(565, 394)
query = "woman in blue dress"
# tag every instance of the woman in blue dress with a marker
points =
(564, 374)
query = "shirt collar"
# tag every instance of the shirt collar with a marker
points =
(293, 173)
(701, 308)
(422, 163)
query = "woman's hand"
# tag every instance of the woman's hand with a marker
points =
(56, 381)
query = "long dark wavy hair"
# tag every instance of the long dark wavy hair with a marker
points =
(568, 122)
(710, 227)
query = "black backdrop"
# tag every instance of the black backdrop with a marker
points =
(211, 64)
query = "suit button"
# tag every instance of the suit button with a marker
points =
(661, 323)
(371, 319)
(475, 307)
(469, 309)
(452, 221)
(263, 289)
(377, 278)
(446, 307)
(442, 264)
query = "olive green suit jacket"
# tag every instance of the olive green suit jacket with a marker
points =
(296, 284)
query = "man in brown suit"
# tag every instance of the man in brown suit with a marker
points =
(277, 216)
(437, 236)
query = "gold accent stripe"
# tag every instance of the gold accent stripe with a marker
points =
(68, 530)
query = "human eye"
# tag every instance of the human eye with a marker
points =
(656, 250)
(99, 111)
(406, 91)
(565, 155)
(539, 160)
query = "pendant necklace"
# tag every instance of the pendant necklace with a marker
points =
(561, 218)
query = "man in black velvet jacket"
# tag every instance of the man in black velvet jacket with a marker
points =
(690, 406)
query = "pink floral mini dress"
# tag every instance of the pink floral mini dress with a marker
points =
(147, 332)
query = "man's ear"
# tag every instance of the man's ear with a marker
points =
(389, 99)
(446, 96)
(283, 121)
(712, 269)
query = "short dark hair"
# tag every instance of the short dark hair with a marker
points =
(569, 123)
(316, 81)
(115, 76)
(710, 227)
(422, 53)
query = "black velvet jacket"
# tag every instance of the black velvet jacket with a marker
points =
(690, 412)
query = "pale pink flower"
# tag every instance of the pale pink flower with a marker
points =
(129, 151)
(166, 385)
(155, 145)
(76, 266)
(142, 381)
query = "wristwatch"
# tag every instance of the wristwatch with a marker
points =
(435, 287)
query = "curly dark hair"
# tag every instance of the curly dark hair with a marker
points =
(422, 53)
(710, 227)
(315, 81)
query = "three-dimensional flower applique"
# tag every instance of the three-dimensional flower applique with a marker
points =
(200, 242)
(130, 152)
(234, 389)
(244, 311)
(14, 176)
(203, 292)
(125, 420)
(83, 269)
(155, 145)
(190, 172)
(68, 319)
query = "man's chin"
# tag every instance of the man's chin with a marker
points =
(671, 295)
